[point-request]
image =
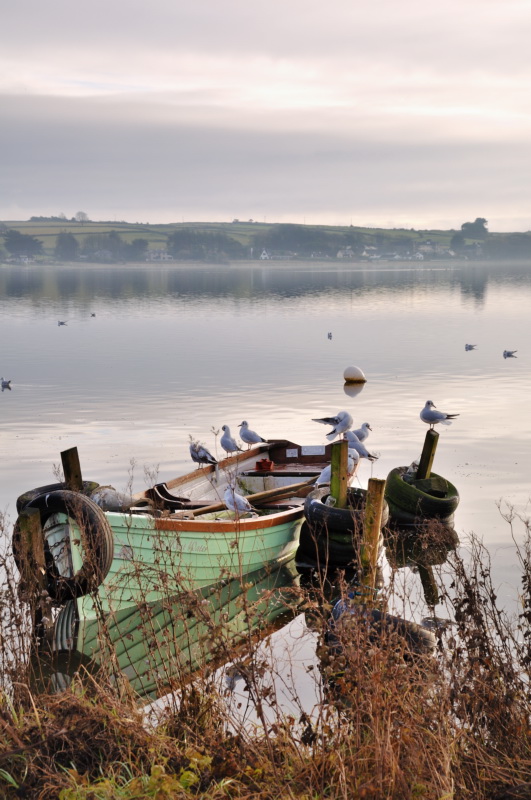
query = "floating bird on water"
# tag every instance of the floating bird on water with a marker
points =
(510, 353)
(363, 432)
(227, 442)
(236, 502)
(329, 334)
(355, 444)
(200, 454)
(341, 423)
(432, 417)
(5, 384)
(326, 474)
(93, 315)
(248, 436)
(470, 346)
(62, 322)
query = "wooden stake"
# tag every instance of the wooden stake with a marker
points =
(372, 526)
(33, 566)
(72, 469)
(428, 454)
(339, 478)
(429, 585)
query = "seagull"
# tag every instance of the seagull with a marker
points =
(355, 444)
(62, 322)
(341, 422)
(5, 384)
(326, 474)
(227, 442)
(431, 417)
(236, 502)
(248, 436)
(200, 454)
(470, 346)
(363, 432)
(510, 353)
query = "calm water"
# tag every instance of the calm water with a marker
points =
(172, 353)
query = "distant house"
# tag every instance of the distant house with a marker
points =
(265, 256)
(346, 252)
(158, 255)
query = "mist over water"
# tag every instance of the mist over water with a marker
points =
(174, 352)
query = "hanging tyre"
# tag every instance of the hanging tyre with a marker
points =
(342, 525)
(27, 497)
(326, 552)
(96, 544)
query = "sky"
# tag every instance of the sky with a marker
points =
(410, 114)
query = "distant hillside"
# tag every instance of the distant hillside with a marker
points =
(70, 240)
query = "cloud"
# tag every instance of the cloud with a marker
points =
(378, 111)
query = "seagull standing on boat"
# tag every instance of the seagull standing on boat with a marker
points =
(228, 443)
(201, 455)
(248, 436)
(432, 417)
(355, 444)
(363, 432)
(236, 502)
(510, 353)
(341, 423)
(470, 346)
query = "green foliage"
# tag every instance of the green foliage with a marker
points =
(66, 247)
(187, 244)
(476, 229)
(21, 244)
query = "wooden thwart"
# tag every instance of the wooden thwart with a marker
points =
(255, 499)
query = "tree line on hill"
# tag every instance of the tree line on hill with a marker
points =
(286, 240)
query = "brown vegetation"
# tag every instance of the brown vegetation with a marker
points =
(388, 722)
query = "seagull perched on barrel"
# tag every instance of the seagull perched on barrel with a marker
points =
(236, 502)
(200, 454)
(363, 432)
(510, 353)
(432, 417)
(248, 436)
(228, 443)
(341, 423)
(355, 444)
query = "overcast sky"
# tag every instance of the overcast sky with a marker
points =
(395, 113)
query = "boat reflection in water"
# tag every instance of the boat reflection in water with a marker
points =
(156, 646)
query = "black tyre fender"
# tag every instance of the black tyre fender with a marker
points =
(97, 541)
(24, 499)
(327, 552)
(340, 524)
(420, 504)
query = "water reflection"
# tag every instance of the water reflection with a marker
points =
(156, 647)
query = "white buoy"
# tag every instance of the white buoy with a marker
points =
(354, 375)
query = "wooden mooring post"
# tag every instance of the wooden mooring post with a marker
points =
(372, 526)
(72, 469)
(33, 568)
(339, 473)
(428, 454)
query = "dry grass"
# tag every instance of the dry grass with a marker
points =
(388, 722)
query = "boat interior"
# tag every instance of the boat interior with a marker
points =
(275, 476)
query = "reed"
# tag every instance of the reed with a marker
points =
(386, 722)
